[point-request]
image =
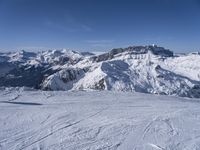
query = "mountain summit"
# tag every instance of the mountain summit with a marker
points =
(147, 69)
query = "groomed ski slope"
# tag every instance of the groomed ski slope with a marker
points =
(38, 120)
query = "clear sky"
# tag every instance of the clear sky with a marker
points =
(99, 25)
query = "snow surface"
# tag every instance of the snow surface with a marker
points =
(187, 65)
(58, 120)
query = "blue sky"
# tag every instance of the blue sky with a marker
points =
(99, 25)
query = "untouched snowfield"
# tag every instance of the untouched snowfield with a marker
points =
(38, 120)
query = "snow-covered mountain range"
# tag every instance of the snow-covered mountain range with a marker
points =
(147, 69)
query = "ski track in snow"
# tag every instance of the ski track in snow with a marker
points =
(97, 121)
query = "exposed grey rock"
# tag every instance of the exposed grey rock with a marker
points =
(134, 50)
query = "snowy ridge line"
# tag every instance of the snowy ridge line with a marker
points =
(146, 69)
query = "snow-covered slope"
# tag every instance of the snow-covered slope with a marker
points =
(147, 69)
(186, 65)
(42, 120)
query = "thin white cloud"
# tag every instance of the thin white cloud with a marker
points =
(33, 48)
(68, 26)
(100, 43)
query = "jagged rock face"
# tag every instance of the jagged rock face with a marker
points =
(135, 50)
(63, 80)
(100, 85)
(147, 69)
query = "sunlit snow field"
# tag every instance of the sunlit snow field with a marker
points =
(38, 120)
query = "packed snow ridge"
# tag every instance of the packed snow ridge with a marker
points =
(146, 69)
